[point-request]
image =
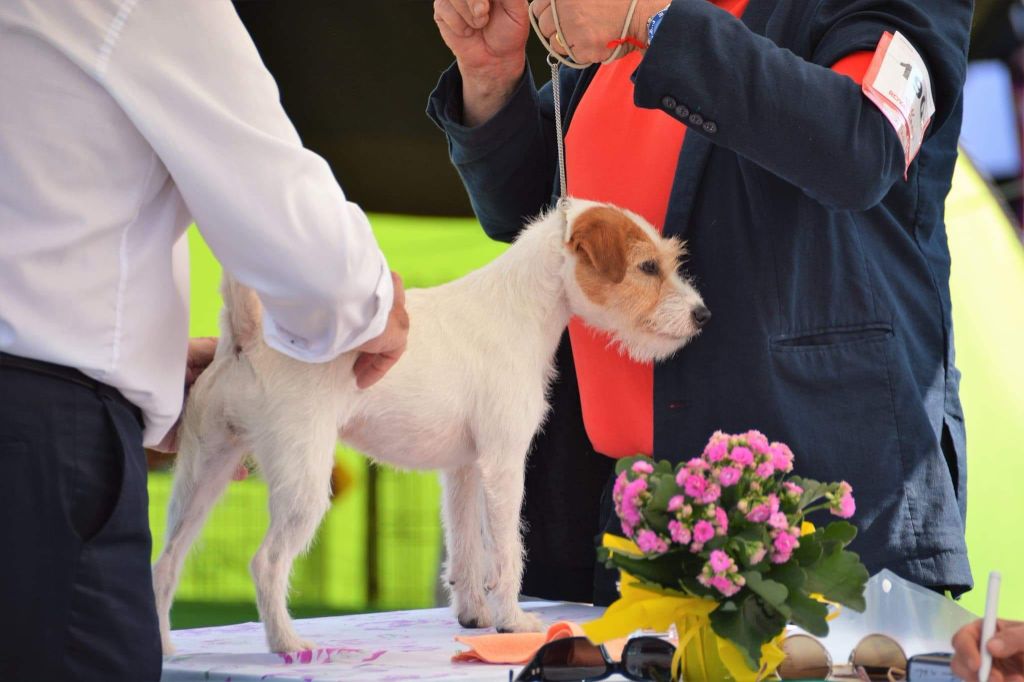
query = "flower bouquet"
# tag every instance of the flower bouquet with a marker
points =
(719, 547)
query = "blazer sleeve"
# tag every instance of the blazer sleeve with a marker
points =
(508, 164)
(796, 117)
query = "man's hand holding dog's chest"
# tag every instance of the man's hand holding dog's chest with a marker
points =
(379, 355)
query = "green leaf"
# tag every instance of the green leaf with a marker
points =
(748, 625)
(810, 550)
(808, 613)
(840, 577)
(789, 574)
(772, 593)
(628, 462)
(813, 490)
(665, 467)
(666, 570)
(837, 535)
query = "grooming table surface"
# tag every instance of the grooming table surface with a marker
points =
(397, 645)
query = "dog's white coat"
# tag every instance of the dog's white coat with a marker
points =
(466, 398)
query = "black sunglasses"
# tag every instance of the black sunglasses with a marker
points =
(577, 659)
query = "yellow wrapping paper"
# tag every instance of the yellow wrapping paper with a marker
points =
(700, 653)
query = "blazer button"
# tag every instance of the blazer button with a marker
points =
(668, 102)
(682, 112)
(710, 127)
(696, 119)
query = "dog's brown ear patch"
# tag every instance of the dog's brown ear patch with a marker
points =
(600, 237)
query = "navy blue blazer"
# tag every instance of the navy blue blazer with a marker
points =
(826, 271)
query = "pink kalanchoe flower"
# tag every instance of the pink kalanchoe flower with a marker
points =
(783, 544)
(710, 494)
(742, 456)
(650, 542)
(764, 511)
(697, 464)
(758, 555)
(724, 585)
(717, 437)
(702, 532)
(716, 452)
(757, 441)
(843, 504)
(779, 521)
(729, 476)
(681, 476)
(676, 503)
(782, 457)
(793, 489)
(765, 469)
(680, 533)
(720, 562)
(721, 521)
(642, 467)
(630, 511)
(627, 529)
(620, 485)
(695, 487)
(759, 514)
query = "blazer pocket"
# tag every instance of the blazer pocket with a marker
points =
(831, 337)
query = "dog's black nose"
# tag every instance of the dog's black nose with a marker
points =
(701, 315)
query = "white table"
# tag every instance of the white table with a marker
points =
(398, 645)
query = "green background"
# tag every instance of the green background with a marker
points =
(987, 281)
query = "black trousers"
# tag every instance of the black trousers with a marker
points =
(76, 595)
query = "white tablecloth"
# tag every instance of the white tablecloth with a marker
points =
(398, 645)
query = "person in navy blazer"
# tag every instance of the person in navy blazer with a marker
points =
(826, 269)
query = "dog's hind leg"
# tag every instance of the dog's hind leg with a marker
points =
(206, 460)
(503, 470)
(296, 462)
(465, 568)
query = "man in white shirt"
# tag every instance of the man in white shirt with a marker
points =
(121, 122)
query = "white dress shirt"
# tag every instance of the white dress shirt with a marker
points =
(121, 121)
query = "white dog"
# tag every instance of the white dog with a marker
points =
(467, 399)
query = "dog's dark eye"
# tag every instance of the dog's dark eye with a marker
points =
(649, 267)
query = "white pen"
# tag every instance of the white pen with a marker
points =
(988, 625)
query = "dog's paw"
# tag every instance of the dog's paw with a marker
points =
(521, 621)
(474, 618)
(290, 644)
(471, 610)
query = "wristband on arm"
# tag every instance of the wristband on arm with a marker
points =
(654, 22)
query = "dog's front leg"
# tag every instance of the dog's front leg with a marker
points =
(503, 472)
(465, 569)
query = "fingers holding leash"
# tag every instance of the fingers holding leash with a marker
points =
(545, 15)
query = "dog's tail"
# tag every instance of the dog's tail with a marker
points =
(242, 316)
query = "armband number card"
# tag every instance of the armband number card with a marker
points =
(898, 83)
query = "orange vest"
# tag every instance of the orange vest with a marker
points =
(619, 153)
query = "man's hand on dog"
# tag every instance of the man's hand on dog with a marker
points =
(377, 356)
(200, 355)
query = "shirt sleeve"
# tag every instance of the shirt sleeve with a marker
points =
(509, 163)
(796, 116)
(189, 77)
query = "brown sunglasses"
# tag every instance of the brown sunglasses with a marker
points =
(875, 658)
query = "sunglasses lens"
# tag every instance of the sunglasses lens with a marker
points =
(806, 659)
(574, 658)
(879, 654)
(649, 658)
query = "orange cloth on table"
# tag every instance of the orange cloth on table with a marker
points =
(619, 153)
(520, 647)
